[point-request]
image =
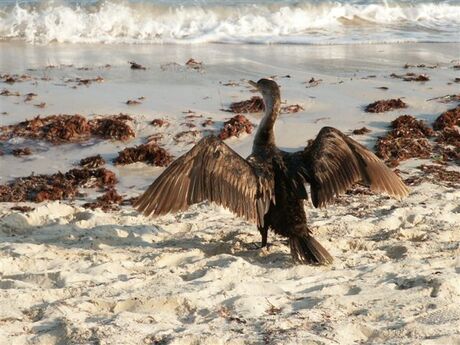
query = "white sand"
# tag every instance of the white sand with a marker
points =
(69, 275)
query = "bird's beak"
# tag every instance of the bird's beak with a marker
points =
(254, 84)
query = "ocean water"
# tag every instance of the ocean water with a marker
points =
(237, 21)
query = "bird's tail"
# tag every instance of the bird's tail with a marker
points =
(306, 250)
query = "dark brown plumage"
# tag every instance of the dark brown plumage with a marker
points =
(268, 188)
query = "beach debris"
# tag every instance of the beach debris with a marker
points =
(149, 153)
(23, 209)
(38, 188)
(29, 96)
(407, 139)
(92, 162)
(456, 80)
(382, 88)
(6, 92)
(253, 105)
(193, 64)
(132, 102)
(40, 105)
(154, 138)
(86, 81)
(361, 131)
(313, 82)
(26, 151)
(225, 313)
(207, 122)
(446, 98)
(385, 105)
(422, 65)
(411, 77)
(439, 173)
(448, 119)
(293, 108)
(109, 201)
(230, 83)
(321, 119)
(186, 136)
(14, 78)
(188, 124)
(448, 138)
(159, 123)
(235, 126)
(60, 129)
(135, 65)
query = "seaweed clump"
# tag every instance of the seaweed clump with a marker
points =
(361, 131)
(448, 119)
(235, 126)
(60, 129)
(59, 186)
(385, 105)
(448, 139)
(253, 105)
(149, 153)
(407, 139)
(109, 201)
(92, 162)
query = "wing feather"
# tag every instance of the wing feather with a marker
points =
(209, 171)
(334, 162)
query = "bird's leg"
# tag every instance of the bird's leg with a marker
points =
(264, 232)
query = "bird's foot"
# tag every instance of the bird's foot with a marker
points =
(258, 246)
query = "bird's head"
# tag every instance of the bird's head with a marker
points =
(267, 87)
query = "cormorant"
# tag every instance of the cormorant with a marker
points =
(268, 188)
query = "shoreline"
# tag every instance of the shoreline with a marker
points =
(72, 274)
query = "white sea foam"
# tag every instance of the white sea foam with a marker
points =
(303, 23)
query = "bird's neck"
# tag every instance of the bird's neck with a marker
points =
(265, 136)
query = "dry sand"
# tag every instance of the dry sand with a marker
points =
(70, 275)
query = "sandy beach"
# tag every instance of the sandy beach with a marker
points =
(76, 275)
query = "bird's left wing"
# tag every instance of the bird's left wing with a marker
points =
(334, 162)
(209, 171)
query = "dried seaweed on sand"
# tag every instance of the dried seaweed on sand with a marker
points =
(361, 131)
(253, 105)
(60, 129)
(449, 119)
(407, 139)
(92, 162)
(135, 65)
(385, 105)
(149, 153)
(26, 151)
(235, 126)
(109, 201)
(38, 188)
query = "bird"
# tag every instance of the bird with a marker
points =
(269, 187)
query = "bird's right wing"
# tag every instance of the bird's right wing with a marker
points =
(209, 171)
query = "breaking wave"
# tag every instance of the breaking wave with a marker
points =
(302, 22)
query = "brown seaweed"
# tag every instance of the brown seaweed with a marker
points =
(193, 64)
(235, 126)
(25, 151)
(159, 123)
(38, 188)
(92, 162)
(149, 153)
(59, 129)
(109, 201)
(407, 139)
(385, 105)
(361, 131)
(253, 105)
(135, 65)
(448, 119)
